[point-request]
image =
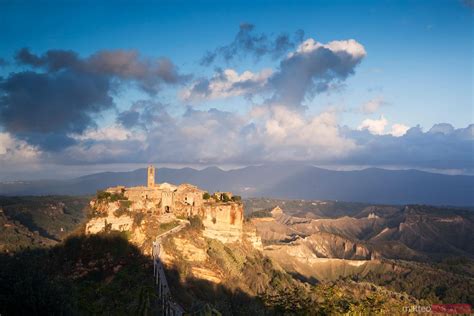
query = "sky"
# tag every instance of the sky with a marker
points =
(100, 85)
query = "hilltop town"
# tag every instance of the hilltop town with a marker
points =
(143, 210)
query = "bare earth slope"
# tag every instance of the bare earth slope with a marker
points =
(404, 246)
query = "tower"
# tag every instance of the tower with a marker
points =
(151, 176)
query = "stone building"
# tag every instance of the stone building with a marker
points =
(221, 217)
(163, 197)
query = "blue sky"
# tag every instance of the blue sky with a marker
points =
(418, 61)
(420, 53)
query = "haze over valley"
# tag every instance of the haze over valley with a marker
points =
(288, 181)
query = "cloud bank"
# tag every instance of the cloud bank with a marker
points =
(50, 109)
(59, 93)
(273, 134)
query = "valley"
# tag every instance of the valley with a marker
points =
(399, 247)
(309, 257)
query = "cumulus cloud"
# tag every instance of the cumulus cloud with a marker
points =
(399, 129)
(266, 133)
(247, 42)
(144, 114)
(109, 133)
(414, 149)
(286, 134)
(14, 151)
(62, 93)
(53, 105)
(269, 134)
(443, 128)
(42, 108)
(312, 68)
(376, 127)
(149, 74)
(227, 83)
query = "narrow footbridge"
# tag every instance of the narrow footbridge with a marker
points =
(170, 307)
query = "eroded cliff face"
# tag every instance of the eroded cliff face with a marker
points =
(108, 217)
(315, 249)
(258, 281)
(141, 226)
(223, 221)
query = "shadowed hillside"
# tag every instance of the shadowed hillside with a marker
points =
(105, 274)
(33, 221)
(101, 274)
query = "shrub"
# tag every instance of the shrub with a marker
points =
(260, 214)
(102, 195)
(196, 222)
(117, 197)
(93, 213)
(126, 203)
(206, 196)
(122, 210)
(113, 197)
(225, 197)
(138, 218)
(236, 198)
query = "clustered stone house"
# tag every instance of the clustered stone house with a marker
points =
(163, 197)
(219, 214)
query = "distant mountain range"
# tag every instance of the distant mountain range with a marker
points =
(286, 181)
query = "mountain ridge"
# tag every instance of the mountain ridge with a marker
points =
(289, 181)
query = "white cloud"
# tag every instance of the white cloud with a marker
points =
(286, 134)
(110, 133)
(16, 151)
(312, 68)
(351, 47)
(228, 83)
(266, 133)
(399, 130)
(376, 127)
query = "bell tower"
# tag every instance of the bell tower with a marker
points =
(151, 176)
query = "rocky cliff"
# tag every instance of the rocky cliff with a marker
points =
(222, 221)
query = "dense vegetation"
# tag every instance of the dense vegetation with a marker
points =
(111, 197)
(316, 209)
(98, 274)
(33, 221)
(260, 214)
(449, 282)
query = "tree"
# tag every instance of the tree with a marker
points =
(206, 196)
(225, 197)
(236, 198)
